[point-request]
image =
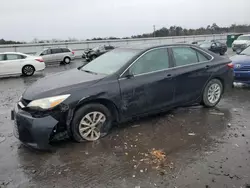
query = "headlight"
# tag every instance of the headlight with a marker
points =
(48, 103)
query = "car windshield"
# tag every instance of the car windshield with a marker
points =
(246, 51)
(110, 62)
(243, 38)
(205, 44)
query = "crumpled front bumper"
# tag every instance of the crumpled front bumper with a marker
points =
(33, 132)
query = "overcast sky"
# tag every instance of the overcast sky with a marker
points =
(46, 19)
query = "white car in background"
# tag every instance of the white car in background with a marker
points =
(13, 63)
(241, 43)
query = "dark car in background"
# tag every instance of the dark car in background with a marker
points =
(241, 64)
(119, 85)
(91, 54)
(214, 46)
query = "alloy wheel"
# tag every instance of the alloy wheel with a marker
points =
(90, 126)
(214, 93)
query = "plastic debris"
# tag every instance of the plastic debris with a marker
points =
(134, 126)
(191, 134)
(217, 113)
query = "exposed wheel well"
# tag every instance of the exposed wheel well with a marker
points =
(107, 103)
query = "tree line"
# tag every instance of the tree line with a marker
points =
(210, 29)
(163, 32)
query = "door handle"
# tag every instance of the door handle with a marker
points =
(169, 75)
(207, 66)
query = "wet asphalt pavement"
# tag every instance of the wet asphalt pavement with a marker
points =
(200, 147)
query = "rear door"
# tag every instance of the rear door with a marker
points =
(192, 71)
(57, 54)
(151, 87)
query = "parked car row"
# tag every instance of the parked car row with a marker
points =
(13, 63)
(117, 86)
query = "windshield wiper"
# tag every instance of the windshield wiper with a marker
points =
(88, 71)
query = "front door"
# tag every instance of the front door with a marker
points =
(192, 70)
(2, 64)
(150, 85)
(47, 56)
(12, 64)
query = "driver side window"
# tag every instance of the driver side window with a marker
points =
(154, 60)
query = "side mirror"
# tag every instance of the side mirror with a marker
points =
(128, 74)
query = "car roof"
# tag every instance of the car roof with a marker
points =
(18, 53)
(143, 47)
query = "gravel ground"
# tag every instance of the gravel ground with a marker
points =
(187, 147)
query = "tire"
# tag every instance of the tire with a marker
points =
(66, 60)
(212, 84)
(80, 116)
(28, 70)
(222, 53)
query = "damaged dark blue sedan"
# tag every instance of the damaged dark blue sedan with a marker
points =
(119, 85)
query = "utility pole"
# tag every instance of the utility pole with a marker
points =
(154, 30)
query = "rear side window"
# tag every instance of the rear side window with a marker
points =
(65, 50)
(154, 60)
(14, 56)
(2, 57)
(56, 50)
(187, 55)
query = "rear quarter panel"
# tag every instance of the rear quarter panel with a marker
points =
(222, 72)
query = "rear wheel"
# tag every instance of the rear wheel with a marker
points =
(91, 122)
(67, 60)
(28, 70)
(212, 93)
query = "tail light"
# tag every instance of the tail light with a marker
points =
(230, 65)
(73, 52)
(39, 59)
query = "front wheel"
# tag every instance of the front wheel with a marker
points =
(212, 93)
(91, 122)
(28, 70)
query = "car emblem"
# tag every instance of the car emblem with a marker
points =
(237, 65)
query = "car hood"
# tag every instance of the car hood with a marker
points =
(241, 42)
(60, 83)
(240, 59)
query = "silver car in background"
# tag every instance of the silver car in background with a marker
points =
(58, 54)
